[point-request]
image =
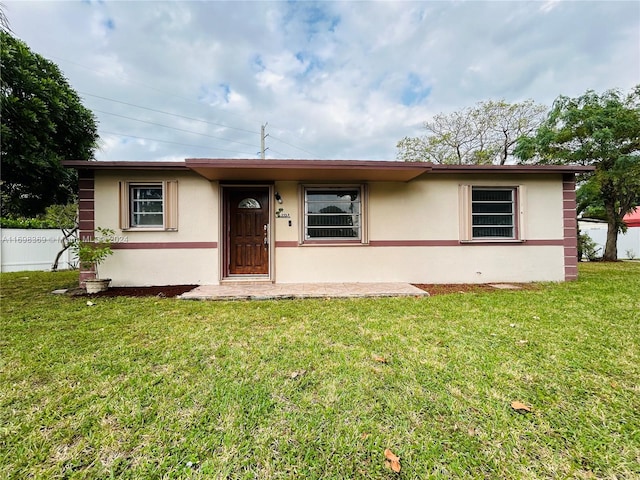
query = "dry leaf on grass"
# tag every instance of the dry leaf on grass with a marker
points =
(392, 460)
(520, 407)
(380, 359)
(297, 374)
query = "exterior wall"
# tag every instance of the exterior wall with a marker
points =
(413, 232)
(570, 226)
(460, 264)
(86, 214)
(414, 236)
(186, 256)
(282, 231)
(428, 208)
(162, 266)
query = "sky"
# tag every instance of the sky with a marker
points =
(328, 80)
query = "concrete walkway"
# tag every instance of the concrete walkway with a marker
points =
(272, 291)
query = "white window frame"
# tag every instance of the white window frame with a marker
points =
(361, 223)
(517, 214)
(134, 202)
(169, 205)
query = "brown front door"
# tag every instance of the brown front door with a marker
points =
(247, 227)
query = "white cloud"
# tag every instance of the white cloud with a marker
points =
(338, 80)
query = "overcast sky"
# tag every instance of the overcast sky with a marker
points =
(331, 80)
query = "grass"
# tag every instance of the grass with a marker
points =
(162, 388)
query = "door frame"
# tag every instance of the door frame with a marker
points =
(225, 241)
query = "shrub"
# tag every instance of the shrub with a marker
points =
(93, 252)
(587, 248)
(55, 216)
(29, 223)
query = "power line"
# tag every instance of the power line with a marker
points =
(198, 120)
(292, 145)
(279, 153)
(167, 113)
(172, 94)
(147, 86)
(173, 143)
(173, 128)
(263, 137)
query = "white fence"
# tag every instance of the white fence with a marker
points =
(23, 249)
(628, 243)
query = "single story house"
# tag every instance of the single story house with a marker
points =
(211, 221)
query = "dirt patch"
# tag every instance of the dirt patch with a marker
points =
(449, 288)
(167, 291)
(170, 291)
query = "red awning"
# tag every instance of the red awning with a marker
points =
(633, 219)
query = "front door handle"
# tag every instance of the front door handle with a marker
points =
(266, 234)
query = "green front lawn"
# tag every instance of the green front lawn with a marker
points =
(162, 388)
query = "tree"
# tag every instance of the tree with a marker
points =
(589, 201)
(65, 217)
(599, 130)
(484, 134)
(43, 123)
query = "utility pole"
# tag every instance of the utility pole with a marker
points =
(262, 138)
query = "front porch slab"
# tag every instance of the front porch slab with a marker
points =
(273, 291)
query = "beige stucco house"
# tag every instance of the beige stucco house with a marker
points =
(211, 221)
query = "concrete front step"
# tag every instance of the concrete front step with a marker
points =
(270, 291)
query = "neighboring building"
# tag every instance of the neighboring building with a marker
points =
(207, 221)
(628, 243)
(632, 219)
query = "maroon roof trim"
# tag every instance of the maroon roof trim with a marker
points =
(410, 169)
(436, 168)
(306, 170)
(306, 164)
(123, 165)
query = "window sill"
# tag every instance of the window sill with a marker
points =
(492, 241)
(149, 229)
(328, 243)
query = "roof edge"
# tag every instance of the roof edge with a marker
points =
(251, 163)
(439, 168)
(306, 164)
(123, 164)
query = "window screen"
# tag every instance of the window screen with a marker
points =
(333, 214)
